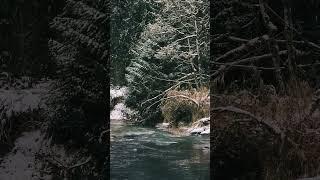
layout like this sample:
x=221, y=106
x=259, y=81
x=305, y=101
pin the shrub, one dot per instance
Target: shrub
x=185, y=106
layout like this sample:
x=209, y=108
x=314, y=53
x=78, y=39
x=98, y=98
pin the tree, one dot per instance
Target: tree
x=172, y=53
x=79, y=44
x=24, y=27
x=127, y=22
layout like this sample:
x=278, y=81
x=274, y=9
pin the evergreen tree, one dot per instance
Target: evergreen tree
x=79, y=44
x=172, y=53
x=128, y=20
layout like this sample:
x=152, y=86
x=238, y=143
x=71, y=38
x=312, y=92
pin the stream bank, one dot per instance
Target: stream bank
x=155, y=153
x=147, y=153
x=199, y=126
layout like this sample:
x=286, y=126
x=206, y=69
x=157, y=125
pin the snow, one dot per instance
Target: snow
x=206, y=132
x=118, y=92
x=22, y=100
x=202, y=127
x=20, y=163
x=118, y=112
x=162, y=126
x=197, y=130
x=204, y=120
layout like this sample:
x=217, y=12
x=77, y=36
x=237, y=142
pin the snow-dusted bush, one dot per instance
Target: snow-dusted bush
x=172, y=53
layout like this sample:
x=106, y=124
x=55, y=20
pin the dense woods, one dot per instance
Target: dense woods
x=170, y=54
x=79, y=45
x=24, y=31
x=264, y=81
x=64, y=43
x=256, y=63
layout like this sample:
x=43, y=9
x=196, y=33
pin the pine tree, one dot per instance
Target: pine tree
x=128, y=20
x=172, y=53
x=79, y=45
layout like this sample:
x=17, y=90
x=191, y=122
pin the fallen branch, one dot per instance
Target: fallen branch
x=226, y=66
x=270, y=126
x=294, y=29
x=80, y=164
x=61, y=165
x=233, y=109
x=244, y=47
x=304, y=42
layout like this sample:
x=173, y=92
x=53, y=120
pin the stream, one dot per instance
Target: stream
x=139, y=153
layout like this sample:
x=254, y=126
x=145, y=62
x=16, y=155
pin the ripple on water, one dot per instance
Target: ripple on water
x=142, y=153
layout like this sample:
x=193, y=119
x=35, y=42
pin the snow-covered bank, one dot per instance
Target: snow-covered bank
x=23, y=99
x=118, y=92
x=20, y=163
x=119, y=110
x=200, y=127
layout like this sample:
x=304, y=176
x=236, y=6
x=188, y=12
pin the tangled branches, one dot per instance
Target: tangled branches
x=264, y=44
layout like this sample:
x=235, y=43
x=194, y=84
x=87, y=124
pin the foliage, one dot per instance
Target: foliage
x=13, y=122
x=185, y=107
x=262, y=66
x=128, y=20
x=79, y=101
x=23, y=34
x=172, y=53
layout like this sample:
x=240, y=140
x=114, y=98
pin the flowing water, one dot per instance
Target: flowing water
x=139, y=153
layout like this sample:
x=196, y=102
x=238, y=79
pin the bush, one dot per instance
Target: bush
x=185, y=107
x=272, y=136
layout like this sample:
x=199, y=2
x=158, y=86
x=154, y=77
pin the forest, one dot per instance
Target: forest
x=260, y=60
x=54, y=85
x=264, y=89
x=197, y=89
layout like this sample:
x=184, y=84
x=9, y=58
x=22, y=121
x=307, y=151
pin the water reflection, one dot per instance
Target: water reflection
x=147, y=154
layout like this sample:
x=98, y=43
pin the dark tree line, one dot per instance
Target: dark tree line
x=268, y=41
x=128, y=19
x=23, y=35
x=80, y=47
x=264, y=66
x=67, y=40
x=168, y=50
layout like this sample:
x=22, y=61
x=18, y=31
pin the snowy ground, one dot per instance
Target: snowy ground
x=21, y=100
x=20, y=163
x=120, y=111
x=118, y=92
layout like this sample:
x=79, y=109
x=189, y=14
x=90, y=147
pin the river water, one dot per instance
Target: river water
x=139, y=153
